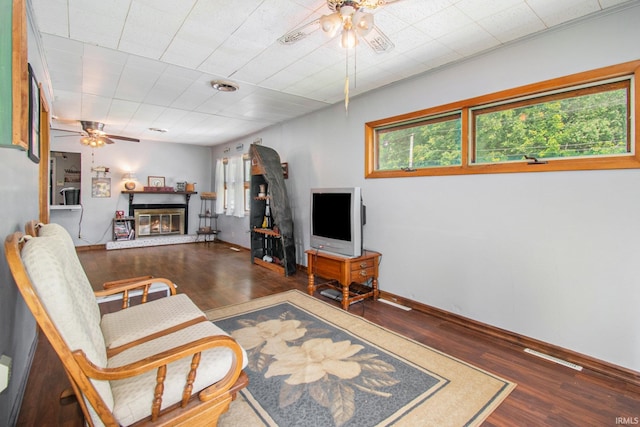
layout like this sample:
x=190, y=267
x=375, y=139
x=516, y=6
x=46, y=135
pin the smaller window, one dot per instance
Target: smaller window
x=429, y=142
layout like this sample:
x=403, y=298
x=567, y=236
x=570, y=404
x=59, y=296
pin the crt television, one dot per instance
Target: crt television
x=337, y=217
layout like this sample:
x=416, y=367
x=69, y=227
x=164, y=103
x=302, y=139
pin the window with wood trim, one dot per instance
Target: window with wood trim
x=230, y=183
x=579, y=122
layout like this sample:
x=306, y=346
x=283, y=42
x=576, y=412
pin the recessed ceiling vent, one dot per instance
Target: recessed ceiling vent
x=223, y=86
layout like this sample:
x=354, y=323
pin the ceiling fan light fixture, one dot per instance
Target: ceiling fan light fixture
x=223, y=86
x=363, y=22
x=331, y=24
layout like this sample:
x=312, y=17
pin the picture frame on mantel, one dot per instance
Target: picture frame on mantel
x=34, y=117
x=155, y=181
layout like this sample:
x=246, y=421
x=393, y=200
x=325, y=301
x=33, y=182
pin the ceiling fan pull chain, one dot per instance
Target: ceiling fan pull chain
x=346, y=84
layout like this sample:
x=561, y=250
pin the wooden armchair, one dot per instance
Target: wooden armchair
x=186, y=374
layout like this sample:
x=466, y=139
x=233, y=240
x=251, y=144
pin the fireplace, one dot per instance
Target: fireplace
x=159, y=221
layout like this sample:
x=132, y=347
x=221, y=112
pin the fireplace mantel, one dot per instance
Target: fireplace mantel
x=186, y=194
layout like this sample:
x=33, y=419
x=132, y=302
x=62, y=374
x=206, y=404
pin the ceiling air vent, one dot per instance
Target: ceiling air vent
x=222, y=86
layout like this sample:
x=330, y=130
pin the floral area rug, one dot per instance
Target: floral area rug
x=313, y=364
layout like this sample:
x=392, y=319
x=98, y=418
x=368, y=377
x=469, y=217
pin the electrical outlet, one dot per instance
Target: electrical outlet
x=5, y=372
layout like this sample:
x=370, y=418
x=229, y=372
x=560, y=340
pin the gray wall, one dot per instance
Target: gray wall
x=19, y=190
x=551, y=256
x=175, y=162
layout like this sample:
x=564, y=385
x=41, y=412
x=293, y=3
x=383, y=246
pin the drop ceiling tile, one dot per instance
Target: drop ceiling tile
x=414, y=11
x=443, y=22
x=121, y=111
x=195, y=95
x=469, y=40
x=138, y=78
x=94, y=107
x=98, y=23
x=101, y=70
x=51, y=16
x=512, y=23
x=230, y=56
x=167, y=88
x=151, y=26
x=609, y=3
x=187, y=52
x=433, y=54
x=553, y=13
x=270, y=20
x=66, y=104
x=477, y=10
x=62, y=44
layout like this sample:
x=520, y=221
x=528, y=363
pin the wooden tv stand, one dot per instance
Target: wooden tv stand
x=342, y=272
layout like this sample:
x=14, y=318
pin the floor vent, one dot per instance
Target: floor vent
x=554, y=359
x=402, y=307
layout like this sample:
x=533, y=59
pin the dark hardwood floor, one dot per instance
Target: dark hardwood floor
x=215, y=275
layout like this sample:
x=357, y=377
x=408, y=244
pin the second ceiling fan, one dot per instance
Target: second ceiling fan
x=97, y=137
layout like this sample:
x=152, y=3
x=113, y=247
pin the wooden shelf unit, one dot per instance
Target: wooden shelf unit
x=273, y=246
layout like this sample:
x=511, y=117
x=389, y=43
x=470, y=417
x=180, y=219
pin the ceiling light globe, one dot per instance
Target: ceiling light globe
x=331, y=24
x=363, y=22
x=349, y=39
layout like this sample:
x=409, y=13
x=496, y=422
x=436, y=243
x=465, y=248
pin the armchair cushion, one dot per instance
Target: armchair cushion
x=73, y=314
x=139, y=321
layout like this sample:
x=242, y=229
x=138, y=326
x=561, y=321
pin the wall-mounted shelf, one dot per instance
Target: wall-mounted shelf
x=65, y=207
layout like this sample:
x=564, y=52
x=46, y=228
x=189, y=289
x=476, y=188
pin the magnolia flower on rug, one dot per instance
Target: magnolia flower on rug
x=312, y=364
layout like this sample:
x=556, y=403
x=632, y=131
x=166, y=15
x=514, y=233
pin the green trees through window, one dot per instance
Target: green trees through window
x=432, y=142
x=579, y=122
x=575, y=125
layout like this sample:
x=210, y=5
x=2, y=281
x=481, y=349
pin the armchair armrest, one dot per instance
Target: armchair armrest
x=190, y=353
x=126, y=286
x=114, y=283
x=158, y=360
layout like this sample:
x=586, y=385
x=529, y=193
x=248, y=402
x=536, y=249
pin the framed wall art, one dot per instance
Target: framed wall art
x=156, y=181
x=100, y=187
x=34, y=118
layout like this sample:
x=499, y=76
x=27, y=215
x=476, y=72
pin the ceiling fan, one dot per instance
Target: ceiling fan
x=350, y=17
x=95, y=136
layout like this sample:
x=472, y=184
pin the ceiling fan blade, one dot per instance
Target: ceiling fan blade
x=124, y=138
x=105, y=140
x=378, y=41
x=77, y=132
x=299, y=33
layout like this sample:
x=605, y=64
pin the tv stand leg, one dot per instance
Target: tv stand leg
x=311, y=287
x=345, y=297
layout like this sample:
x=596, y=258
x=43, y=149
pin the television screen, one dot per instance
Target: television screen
x=332, y=215
x=337, y=220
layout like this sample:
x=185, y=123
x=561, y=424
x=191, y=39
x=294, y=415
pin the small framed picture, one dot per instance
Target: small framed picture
x=101, y=187
x=156, y=181
x=34, y=118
